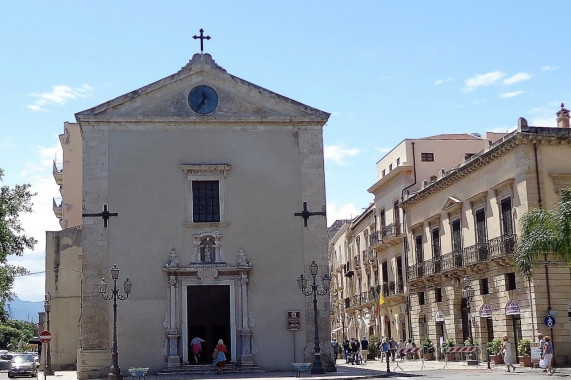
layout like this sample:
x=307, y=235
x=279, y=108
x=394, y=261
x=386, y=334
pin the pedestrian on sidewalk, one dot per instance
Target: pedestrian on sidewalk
x=508, y=353
x=364, y=348
x=548, y=355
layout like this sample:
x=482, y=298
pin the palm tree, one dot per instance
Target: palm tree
x=544, y=232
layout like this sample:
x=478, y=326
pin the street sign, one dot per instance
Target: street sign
x=549, y=321
x=45, y=336
x=293, y=320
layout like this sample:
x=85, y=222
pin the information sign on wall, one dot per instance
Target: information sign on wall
x=512, y=308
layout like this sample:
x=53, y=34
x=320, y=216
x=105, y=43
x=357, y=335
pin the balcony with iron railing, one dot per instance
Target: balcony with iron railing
x=387, y=236
x=363, y=299
x=501, y=246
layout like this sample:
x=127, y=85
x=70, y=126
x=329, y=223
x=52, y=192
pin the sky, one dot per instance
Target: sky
x=384, y=70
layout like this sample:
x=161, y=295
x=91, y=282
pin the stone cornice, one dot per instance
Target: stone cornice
x=389, y=178
x=524, y=136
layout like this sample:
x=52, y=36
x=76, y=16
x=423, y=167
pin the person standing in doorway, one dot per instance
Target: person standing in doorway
x=219, y=356
x=196, y=345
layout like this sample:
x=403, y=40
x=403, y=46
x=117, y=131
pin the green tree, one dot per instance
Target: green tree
x=544, y=232
x=13, y=241
x=17, y=334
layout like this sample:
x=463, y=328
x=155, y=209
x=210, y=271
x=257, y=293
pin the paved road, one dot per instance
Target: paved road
x=370, y=370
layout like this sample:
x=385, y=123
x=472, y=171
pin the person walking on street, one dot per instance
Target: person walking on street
x=541, y=347
x=346, y=350
x=335, y=347
x=393, y=347
x=508, y=353
x=548, y=355
x=364, y=348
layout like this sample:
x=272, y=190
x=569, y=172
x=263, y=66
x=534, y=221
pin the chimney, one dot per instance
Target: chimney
x=563, y=117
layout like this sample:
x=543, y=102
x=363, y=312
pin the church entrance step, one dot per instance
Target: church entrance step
x=206, y=369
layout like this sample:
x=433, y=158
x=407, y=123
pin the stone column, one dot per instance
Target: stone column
x=173, y=359
x=244, y=333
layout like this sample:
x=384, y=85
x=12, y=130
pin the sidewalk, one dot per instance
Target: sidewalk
x=371, y=369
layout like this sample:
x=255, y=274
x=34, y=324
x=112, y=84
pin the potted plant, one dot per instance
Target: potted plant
x=494, y=348
x=373, y=347
x=445, y=345
x=524, y=350
x=428, y=349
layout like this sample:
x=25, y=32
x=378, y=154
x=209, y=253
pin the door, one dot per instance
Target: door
x=209, y=318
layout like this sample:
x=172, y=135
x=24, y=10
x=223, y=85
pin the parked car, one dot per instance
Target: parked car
x=5, y=359
x=23, y=365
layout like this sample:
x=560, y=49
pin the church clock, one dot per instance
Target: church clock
x=203, y=99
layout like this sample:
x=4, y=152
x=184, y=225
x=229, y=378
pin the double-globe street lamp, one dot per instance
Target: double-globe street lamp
x=48, y=307
x=114, y=295
x=317, y=366
x=468, y=293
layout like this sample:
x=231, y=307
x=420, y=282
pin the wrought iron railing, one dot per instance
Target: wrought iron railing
x=481, y=252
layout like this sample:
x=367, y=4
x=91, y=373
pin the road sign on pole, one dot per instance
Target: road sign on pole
x=45, y=336
x=549, y=321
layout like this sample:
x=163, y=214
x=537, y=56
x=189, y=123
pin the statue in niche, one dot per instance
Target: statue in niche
x=242, y=261
x=207, y=253
x=173, y=260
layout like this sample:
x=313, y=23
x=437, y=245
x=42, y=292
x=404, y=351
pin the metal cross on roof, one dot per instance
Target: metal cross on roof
x=202, y=37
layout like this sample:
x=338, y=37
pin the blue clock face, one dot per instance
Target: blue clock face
x=203, y=99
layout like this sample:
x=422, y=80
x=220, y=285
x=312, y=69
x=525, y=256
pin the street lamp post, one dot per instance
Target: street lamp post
x=47, y=307
x=468, y=293
x=114, y=295
x=317, y=367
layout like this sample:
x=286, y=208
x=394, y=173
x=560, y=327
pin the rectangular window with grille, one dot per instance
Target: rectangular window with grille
x=205, y=201
x=427, y=157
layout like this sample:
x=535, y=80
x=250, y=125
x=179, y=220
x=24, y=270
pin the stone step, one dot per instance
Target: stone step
x=205, y=369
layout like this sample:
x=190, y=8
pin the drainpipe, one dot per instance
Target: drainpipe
x=405, y=244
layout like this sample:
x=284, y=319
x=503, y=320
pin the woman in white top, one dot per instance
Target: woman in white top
x=508, y=353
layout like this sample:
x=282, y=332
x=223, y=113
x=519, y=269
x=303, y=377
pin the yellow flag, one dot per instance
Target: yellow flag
x=381, y=299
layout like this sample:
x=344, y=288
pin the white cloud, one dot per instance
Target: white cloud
x=59, y=95
x=549, y=68
x=347, y=211
x=483, y=80
x=442, y=81
x=338, y=153
x=511, y=94
x=516, y=78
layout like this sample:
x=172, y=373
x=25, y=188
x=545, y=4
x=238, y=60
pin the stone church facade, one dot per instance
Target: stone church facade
x=201, y=174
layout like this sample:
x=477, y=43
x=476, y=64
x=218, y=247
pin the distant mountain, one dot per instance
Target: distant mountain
x=24, y=310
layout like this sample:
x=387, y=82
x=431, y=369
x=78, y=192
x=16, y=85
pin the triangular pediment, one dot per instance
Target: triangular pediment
x=451, y=204
x=238, y=100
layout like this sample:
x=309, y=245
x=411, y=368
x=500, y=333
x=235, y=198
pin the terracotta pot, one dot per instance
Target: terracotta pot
x=525, y=361
x=497, y=359
x=428, y=356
